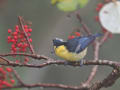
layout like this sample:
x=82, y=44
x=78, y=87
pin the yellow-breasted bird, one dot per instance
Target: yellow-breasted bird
x=74, y=49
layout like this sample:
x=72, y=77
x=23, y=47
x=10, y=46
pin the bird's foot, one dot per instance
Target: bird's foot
x=68, y=63
x=81, y=62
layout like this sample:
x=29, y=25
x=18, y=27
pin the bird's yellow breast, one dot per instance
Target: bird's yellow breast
x=62, y=52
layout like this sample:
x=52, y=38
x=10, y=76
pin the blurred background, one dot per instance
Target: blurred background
x=47, y=23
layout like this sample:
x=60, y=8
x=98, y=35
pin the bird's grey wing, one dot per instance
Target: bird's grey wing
x=78, y=48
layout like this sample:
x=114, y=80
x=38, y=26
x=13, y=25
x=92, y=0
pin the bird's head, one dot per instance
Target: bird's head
x=57, y=42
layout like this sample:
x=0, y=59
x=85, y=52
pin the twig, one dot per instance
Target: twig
x=35, y=56
x=26, y=36
x=84, y=26
x=104, y=38
x=45, y=85
x=96, y=57
x=61, y=62
x=18, y=77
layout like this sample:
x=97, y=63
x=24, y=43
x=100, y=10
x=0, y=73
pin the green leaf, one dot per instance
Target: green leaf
x=53, y=2
x=68, y=5
x=82, y=3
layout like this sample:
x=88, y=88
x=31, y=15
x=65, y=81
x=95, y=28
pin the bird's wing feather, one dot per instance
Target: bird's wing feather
x=77, y=48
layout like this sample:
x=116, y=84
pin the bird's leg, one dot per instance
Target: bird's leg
x=80, y=62
x=68, y=63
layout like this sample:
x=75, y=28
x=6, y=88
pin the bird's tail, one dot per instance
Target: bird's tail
x=97, y=35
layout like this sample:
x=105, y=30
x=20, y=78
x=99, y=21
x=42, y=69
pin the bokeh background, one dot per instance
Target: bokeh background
x=47, y=23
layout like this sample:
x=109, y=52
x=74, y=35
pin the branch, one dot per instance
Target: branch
x=109, y=81
x=96, y=47
x=61, y=62
x=34, y=56
x=84, y=26
x=26, y=36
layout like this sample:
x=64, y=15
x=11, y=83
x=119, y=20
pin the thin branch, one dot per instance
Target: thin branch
x=3, y=60
x=34, y=56
x=96, y=47
x=84, y=26
x=45, y=85
x=104, y=38
x=26, y=36
x=61, y=62
x=18, y=77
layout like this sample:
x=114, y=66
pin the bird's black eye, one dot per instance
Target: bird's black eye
x=57, y=42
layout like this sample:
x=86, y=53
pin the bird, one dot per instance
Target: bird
x=73, y=49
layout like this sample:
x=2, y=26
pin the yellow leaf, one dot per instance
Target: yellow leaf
x=54, y=2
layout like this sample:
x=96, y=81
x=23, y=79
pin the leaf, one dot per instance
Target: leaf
x=82, y=3
x=67, y=5
x=53, y=2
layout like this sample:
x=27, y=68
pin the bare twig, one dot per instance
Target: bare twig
x=26, y=36
x=84, y=26
x=34, y=56
x=96, y=57
x=18, y=77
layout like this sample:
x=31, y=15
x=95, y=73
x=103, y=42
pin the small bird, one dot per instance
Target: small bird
x=73, y=49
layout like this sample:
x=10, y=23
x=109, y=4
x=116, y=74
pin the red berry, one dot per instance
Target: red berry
x=25, y=45
x=9, y=69
x=15, y=33
x=19, y=44
x=17, y=30
x=77, y=33
x=104, y=30
x=23, y=40
x=25, y=26
x=26, y=59
x=6, y=83
x=17, y=61
x=30, y=40
x=13, y=46
x=26, y=30
x=15, y=37
x=29, y=30
x=97, y=18
x=16, y=27
x=97, y=9
x=9, y=37
x=24, y=50
x=71, y=37
x=1, y=69
x=100, y=5
x=9, y=30
x=14, y=49
x=21, y=36
x=13, y=40
x=12, y=81
x=28, y=34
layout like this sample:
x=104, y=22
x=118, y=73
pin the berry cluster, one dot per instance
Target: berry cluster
x=6, y=79
x=18, y=40
x=98, y=8
x=73, y=36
